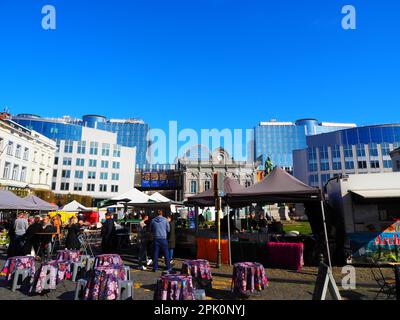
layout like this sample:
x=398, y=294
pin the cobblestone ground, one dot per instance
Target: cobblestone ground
x=283, y=284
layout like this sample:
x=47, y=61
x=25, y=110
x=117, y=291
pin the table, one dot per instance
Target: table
x=50, y=274
x=174, y=287
x=247, y=277
x=68, y=255
x=199, y=270
x=108, y=260
x=17, y=263
x=102, y=283
x=285, y=255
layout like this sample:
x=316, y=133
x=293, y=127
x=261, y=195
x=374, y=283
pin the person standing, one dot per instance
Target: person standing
x=19, y=229
x=159, y=227
x=143, y=237
x=107, y=234
x=32, y=240
x=171, y=237
x=72, y=241
x=263, y=224
x=47, y=240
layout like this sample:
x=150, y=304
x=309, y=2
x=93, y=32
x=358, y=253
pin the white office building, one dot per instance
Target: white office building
x=26, y=157
x=94, y=166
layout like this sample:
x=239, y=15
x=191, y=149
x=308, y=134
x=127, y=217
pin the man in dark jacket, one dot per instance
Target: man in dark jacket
x=159, y=227
x=107, y=234
x=171, y=236
x=31, y=237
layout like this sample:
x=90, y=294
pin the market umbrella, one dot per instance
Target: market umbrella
x=41, y=204
x=10, y=201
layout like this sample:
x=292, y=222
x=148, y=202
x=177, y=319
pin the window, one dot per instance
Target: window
x=324, y=166
x=312, y=167
x=387, y=163
x=114, y=188
x=18, y=151
x=79, y=174
x=336, y=152
x=360, y=150
x=66, y=173
x=105, y=150
x=15, y=172
x=53, y=186
x=115, y=176
x=362, y=164
x=92, y=163
x=91, y=175
x=77, y=186
x=323, y=152
x=337, y=165
x=104, y=164
x=64, y=186
x=348, y=151
x=34, y=156
x=67, y=161
x=313, y=180
x=26, y=154
x=193, y=186
x=373, y=149
x=103, y=188
x=374, y=164
x=80, y=162
x=23, y=174
x=116, y=165
x=349, y=165
x=325, y=178
x=54, y=173
x=94, y=146
x=207, y=185
x=385, y=149
x=103, y=175
x=117, y=151
x=68, y=147
x=10, y=148
x=81, y=147
x=56, y=160
x=90, y=187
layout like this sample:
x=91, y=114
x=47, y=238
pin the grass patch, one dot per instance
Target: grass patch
x=301, y=226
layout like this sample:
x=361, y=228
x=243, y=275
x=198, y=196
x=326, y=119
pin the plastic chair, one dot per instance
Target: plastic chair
x=125, y=290
x=80, y=287
x=24, y=274
x=127, y=271
x=76, y=268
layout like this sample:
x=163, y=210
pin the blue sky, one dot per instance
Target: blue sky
x=206, y=64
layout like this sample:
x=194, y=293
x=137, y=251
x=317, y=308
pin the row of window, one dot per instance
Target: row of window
x=349, y=165
x=207, y=185
x=90, y=175
x=78, y=186
x=93, y=148
x=19, y=152
x=14, y=173
x=80, y=162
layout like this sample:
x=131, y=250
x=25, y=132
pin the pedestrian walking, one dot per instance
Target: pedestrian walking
x=159, y=228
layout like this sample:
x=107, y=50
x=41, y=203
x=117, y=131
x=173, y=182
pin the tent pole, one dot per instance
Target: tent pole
x=326, y=234
x=229, y=235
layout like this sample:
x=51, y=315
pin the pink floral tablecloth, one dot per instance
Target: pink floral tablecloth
x=17, y=263
x=199, y=270
x=68, y=255
x=102, y=283
x=174, y=287
x=248, y=277
x=50, y=274
x=285, y=255
x=108, y=260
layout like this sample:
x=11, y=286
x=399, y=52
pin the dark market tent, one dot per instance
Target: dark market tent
x=278, y=187
x=207, y=199
x=10, y=201
x=41, y=204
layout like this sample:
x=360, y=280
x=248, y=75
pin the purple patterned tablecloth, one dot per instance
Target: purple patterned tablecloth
x=56, y=271
x=199, y=270
x=174, y=287
x=68, y=255
x=108, y=260
x=248, y=276
x=17, y=263
x=102, y=283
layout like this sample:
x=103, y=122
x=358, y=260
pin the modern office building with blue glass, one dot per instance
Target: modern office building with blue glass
x=130, y=132
x=351, y=151
x=278, y=140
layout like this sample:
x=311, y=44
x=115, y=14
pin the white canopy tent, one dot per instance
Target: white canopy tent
x=133, y=195
x=74, y=206
x=158, y=197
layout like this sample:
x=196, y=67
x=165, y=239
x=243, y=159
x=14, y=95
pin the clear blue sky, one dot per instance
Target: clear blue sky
x=204, y=63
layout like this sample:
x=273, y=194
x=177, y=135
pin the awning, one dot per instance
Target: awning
x=376, y=194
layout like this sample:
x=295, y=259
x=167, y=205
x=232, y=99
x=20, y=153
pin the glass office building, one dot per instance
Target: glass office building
x=352, y=151
x=130, y=132
x=278, y=140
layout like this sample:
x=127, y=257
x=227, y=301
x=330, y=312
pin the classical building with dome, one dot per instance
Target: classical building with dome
x=198, y=164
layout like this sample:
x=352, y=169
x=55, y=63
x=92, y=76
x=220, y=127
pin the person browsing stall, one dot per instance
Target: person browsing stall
x=107, y=233
x=160, y=227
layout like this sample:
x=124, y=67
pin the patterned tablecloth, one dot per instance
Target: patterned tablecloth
x=199, y=270
x=285, y=255
x=16, y=263
x=108, y=260
x=50, y=274
x=68, y=255
x=102, y=283
x=174, y=287
x=247, y=277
